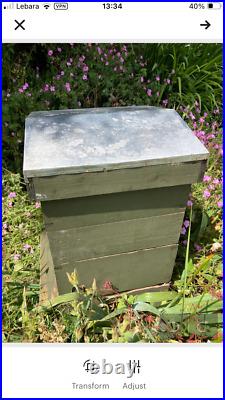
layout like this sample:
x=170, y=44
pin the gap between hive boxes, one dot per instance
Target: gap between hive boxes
x=48, y=283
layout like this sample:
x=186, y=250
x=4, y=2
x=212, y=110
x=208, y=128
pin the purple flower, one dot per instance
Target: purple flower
x=50, y=53
x=59, y=49
x=192, y=117
x=99, y=50
x=52, y=88
x=201, y=120
x=16, y=257
x=149, y=92
x=206, y=194
x=106, y=63
x=186, y=223
x=62, y=73
x=220, y=204
x=207, y=178
x=81, y=58
x=189, y=203
x=197, y=247
x=68, y=64
x=10, y=204
x=12, y=195
x=183, y=230
x=85, y=78
x=168, y=81
x=165, y=102
x=37, y=204
x=157, y=78
x=142, y=79
x=20, y=90
x=216, y=181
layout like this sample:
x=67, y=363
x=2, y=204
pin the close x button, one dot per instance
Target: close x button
x=19, y=24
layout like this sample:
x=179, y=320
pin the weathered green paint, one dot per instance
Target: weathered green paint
x=125, y=271
x=116, y=237
x=48, y=284
x=94, y=210
x=95, y=183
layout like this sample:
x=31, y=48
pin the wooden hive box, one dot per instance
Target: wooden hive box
x=113, y=183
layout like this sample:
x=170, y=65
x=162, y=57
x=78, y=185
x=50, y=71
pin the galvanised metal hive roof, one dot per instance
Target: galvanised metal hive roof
x=97, y=139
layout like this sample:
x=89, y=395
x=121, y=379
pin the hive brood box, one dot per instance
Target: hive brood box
x=113, y=183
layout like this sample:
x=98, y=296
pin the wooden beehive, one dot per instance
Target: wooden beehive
x=113, y=183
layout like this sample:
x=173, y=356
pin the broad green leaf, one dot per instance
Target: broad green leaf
x=146, y=307
x=155, y=297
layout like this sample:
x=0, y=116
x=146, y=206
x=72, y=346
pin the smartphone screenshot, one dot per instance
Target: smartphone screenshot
x=112, y=199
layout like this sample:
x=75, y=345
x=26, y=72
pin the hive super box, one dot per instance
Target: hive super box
x=113, y=183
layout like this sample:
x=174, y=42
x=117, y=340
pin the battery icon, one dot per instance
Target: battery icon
x=214, y=6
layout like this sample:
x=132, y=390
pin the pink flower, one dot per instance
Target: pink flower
x=157, y=78
x=81, y=59
x=85, y=78
x=27, y=246
x=37, y=204
x=59, y=49
x=50, y=53
x=142, y=79
x=168, y=81
x=25, y=86
x=207, y=178
x=220, y=204
x=20, y=90
x=85, y=68
x=99, y=50
x=206, y=194
x=68, y=64
x=52, y=88
x=201, y=120
x=62, y=73
x=165, y=102
x=189, y=203
x=149, y=92
x=5, y=226
x=12, y=195
x=216, y=181
x=46, y=87
x=106, y=63
x=10, y=204
x=16, y=257
x=67, y=86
